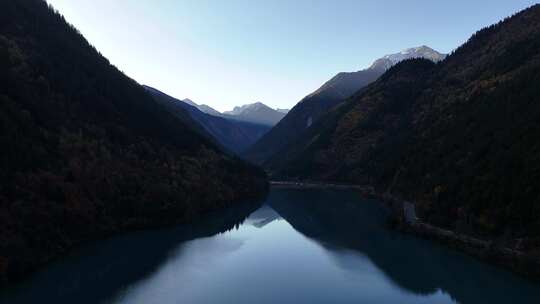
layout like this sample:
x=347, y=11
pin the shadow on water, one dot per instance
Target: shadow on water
x=342, y=221
x=95, y=273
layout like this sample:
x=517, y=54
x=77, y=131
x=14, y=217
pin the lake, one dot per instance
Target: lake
x=298, y=246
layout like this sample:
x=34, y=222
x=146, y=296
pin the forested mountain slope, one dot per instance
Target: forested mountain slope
x=330, y=94
x=460, y=138
x=86, y=151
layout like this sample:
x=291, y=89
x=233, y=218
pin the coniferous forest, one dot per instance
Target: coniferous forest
x=459, y=138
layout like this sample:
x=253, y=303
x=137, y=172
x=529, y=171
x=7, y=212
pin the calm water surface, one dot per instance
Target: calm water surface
x=300, y=246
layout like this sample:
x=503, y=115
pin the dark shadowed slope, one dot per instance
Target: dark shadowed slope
x=334, y=91
x=233, y=135
x=304, y=158
x=460, y=138
x=86, y=151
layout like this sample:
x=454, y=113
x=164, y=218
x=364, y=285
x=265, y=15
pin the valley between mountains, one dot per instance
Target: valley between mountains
x=88, y=152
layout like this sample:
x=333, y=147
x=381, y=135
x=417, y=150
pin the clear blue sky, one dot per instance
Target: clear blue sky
x=231, y=52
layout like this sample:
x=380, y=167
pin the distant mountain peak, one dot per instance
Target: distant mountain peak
x=423, y=51
x=208, y=110
x=190, y=102
x=257, y=105
x=256, y=112
x=346, y=83
x=238, y=110
x=203, y=108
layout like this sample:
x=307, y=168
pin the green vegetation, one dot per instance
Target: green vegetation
x=459, y=138
x=86, y=152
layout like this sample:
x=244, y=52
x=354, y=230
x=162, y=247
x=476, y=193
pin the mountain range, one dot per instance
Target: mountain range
x=330, y=94
x=243, y=130
x=257, y=113
x=88, y=152
x=232, y=134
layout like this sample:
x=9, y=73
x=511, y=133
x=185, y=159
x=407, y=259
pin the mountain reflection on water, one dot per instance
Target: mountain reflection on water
x=300, y=246
x=417, y=266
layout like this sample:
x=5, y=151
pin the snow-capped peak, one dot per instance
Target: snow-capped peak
x=423, y=51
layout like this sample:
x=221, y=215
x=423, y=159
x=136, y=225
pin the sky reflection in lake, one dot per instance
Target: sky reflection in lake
x=300, y=246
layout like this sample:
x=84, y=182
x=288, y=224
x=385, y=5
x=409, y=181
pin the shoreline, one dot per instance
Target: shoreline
x=365, y=190
x=151, y=224
x=487, y=251
x=403, y=218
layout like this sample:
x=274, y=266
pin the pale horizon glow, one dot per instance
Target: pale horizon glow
x=230, y=53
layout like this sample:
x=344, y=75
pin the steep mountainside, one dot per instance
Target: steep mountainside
x=334, y=91
x=87, y=152
x=459, y=138
x=255, y=113
x=233, y=135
